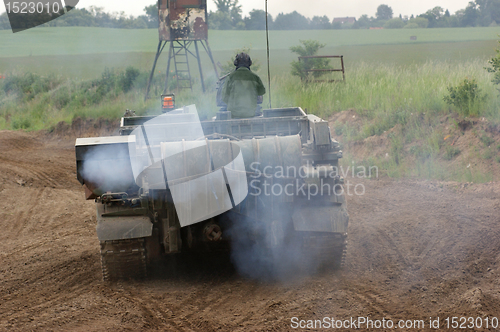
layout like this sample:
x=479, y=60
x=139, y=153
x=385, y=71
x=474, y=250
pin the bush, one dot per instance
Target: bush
x=21, y=122
x=422, y=22
x=466, y=96
x=99, y=88
x=495, y=67
x=395, y=23
x=60, y=97
x=308, y=48
x=27, y=86
x=411, y=26
x=127, y=80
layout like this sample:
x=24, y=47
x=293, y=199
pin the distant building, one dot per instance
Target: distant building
x=343, y=20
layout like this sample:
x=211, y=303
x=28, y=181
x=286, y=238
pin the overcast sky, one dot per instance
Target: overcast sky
x=330, y=8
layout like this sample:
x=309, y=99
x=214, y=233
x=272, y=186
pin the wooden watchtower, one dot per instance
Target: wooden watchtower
x=182, y=24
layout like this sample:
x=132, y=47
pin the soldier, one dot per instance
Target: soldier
x=242, y=88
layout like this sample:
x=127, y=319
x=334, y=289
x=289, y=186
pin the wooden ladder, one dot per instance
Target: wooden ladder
x=181, y=63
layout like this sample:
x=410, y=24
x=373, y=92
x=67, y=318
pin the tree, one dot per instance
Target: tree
x=337, y=25
x=103, y=19
x=362, y=23
x=494, y=10
x=434, y=16
x=489, y=11
x=291, y=21
x=308, y=48
x=257, y=20
x=231, y=7
x=141, y=22
x=235, y=13
x=219, y=21
x=79, y=17
x=470, y=16
x=453, y=21
x=224, y=5
x=320, y=22
x=227, y=16
x=384, y=12
x=152, y=15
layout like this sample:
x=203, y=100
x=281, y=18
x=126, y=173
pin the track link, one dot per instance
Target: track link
x=329, y=249
x=123, y=259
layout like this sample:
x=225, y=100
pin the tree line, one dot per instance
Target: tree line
x=97, y=17
x=228, y=16
x=477, y=13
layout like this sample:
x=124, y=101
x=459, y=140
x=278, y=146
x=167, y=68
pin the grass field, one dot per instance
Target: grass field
x=79, y=40
x=85, y=52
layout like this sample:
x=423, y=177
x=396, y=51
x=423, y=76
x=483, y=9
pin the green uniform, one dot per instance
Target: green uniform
x=240, y=93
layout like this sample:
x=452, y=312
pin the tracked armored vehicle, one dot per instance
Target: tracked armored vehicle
x=171, y=183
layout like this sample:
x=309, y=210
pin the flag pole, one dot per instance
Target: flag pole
x=268, y=67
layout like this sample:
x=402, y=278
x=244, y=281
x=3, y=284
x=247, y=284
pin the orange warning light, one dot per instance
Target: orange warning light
x=168, y=102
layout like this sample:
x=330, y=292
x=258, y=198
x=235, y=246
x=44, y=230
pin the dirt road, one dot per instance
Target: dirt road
x=416, y=250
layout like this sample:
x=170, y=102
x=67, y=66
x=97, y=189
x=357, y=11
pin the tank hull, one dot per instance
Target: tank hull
x=261, y=179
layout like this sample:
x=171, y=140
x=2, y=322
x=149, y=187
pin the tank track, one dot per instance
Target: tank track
x=329, y=249
x=123, y=259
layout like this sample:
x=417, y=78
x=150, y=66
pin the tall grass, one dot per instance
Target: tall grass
x=32, y=102
x=382, y=91
x=385, y=94
x=407, y=100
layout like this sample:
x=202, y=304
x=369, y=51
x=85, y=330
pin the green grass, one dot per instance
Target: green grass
x=79, y=52
x=81, y=40
x=387, y=94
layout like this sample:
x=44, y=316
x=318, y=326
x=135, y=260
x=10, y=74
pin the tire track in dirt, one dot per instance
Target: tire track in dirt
x=154, y=311
x=40, y=211
x=26, y=222
x=67, y=274
x=17, y=140
x=29, y=175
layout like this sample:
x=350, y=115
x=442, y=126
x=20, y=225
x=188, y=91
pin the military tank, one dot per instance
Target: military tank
x=172, y=183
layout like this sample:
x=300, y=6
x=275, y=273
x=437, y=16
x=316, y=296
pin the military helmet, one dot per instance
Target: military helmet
x=242, y=60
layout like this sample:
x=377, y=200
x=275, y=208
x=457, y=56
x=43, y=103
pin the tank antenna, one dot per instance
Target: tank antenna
x=268, y=68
